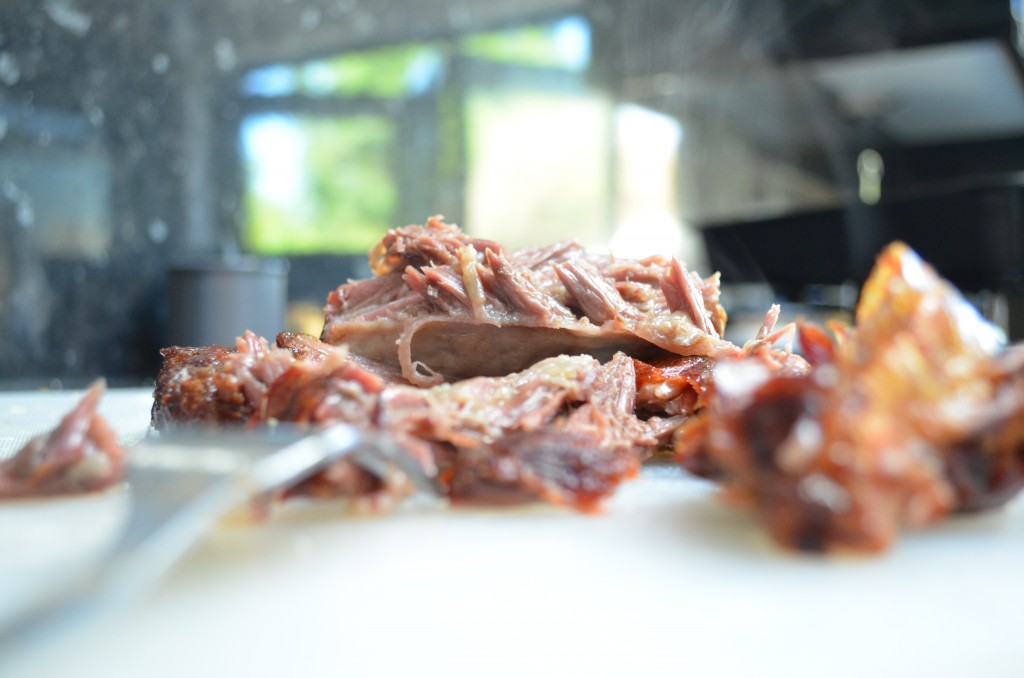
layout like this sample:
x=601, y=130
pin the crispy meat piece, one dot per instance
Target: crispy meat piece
x=673, y=386
x=913, y=415
x=81, y=455
x=215, y=384
x=188, y=388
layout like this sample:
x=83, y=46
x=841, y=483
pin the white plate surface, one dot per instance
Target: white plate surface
x=666, y=582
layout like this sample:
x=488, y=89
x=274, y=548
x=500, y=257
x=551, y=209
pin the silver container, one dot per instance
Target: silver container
x=213, y=301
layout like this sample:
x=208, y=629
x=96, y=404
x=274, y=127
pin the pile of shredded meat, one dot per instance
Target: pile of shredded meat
x=551, y=374
x=512, y=376
x=564, y=430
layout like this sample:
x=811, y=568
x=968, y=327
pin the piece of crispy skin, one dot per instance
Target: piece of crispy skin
x=913, y=415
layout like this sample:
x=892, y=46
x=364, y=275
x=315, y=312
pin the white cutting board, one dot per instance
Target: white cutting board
x=666, y=582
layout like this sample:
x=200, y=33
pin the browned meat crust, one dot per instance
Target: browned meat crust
x=673, y=386
x=80, y=455
x=671, y=390
x=910, y=416
x=191, y=387
x=304, y=346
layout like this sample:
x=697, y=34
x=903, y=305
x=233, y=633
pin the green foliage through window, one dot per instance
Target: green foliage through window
x=330, y=184
x=528, y=46
x=347, y=195
x=390, y=72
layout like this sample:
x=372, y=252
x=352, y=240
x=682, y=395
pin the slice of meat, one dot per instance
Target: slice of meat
x=913, y=415
x=81, y=455
x=440, y=296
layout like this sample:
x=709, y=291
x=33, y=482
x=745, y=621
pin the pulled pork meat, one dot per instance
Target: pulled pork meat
x=561, y=431
x=671, y=390
x=911, y=415
x=81, y=455
x=216, y=384
x=221, y=385
x=550, y=374
x=299, y=380
x=542, y=374
x=438, y=296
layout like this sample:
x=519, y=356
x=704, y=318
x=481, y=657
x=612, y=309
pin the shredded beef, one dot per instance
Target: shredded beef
x=564, y=368
x=562, y=431
x=550, y=374
x=439, y=298
x=217, y=385
x=301, y=380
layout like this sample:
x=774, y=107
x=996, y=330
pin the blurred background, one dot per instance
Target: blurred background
x=166, y=164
